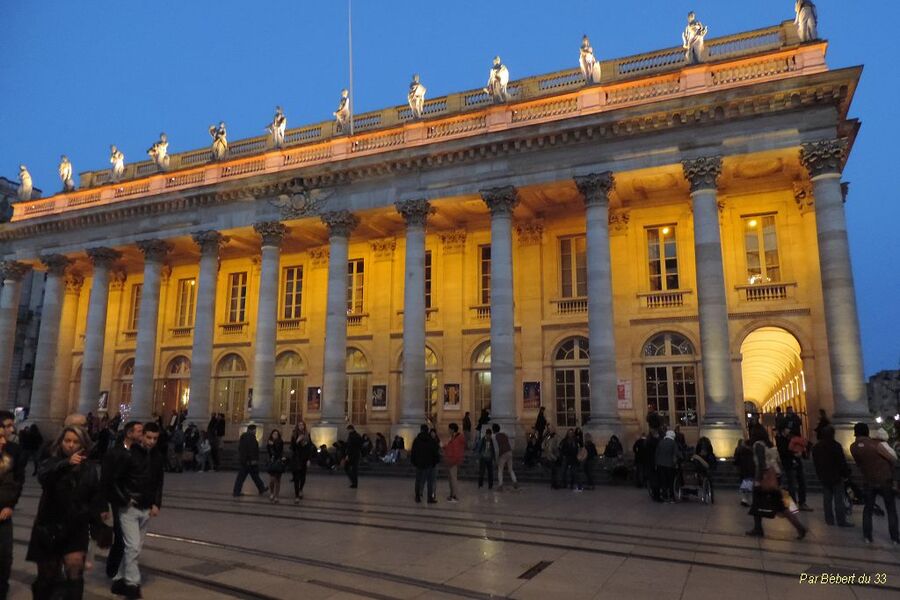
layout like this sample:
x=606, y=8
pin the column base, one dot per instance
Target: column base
x=724, y=433
x=843, y=428
x=408, y=431
x=603, y=428
x=324, y=433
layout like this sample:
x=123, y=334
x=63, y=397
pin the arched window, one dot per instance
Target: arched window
x=670, y=378
x=124, y=387
x=481, y=378
x=173, y=391
x=571, y=380
x=432, y=398
x=289, y=371
x=231, y=387
x=357, y=387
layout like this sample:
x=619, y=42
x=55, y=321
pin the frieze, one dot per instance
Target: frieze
x=824, y=157
x=595, y=187
x=271, y=232
x=11, y=270
x=703, y=172
x=501, y=200
x=803, y=196
x=383, y=249
x=318, y=256
x=530, y=233
x=618, y=221
x=454, y=241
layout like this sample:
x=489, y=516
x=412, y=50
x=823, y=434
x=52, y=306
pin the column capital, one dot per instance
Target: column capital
x=383, y=249
x=618, y=221
x=117, y=279
x=703, y=172
x=341, y=223
x=500, y=200
x=318, y=256
x=209, y=241
x=103, y=257
x=595, y=187
x=11, y=270
x=415, y=212
x=824, y=157
x=56, y=263
x=154, y=250
x=74, y=281
x=530, y=233
x=271, y=232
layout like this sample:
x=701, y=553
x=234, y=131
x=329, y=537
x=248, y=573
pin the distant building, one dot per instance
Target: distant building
x=884, y=393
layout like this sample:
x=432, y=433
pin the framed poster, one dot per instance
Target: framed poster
x=531, y=392
x=103, y=402
x=379, y=397
x=313, y=399
x=623, y=393
x=451, y=396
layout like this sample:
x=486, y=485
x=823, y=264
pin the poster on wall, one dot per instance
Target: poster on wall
x=313, y=399
x=103, y=402
x=623, y=394
x=379, y=397
x=531, y=392
x=451, y=396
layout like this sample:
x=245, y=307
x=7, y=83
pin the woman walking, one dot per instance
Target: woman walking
x=768, y=497
x=72, y=504
x=275, y=450
x=302, y=451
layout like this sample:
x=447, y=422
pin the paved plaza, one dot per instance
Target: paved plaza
x=375, y=542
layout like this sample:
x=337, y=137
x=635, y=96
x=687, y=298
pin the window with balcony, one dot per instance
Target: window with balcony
x=662, y=257
x=291, y=294
x=355, y=281
x=761, y=247
x=484, y=274
x=187, y=290
x=237, y=297
x=573, y=267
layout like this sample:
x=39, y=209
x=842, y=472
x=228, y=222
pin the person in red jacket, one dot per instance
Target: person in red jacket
x=454, y=454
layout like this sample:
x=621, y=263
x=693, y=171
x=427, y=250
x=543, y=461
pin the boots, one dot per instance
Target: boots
x=42, y=589
x=73, y=589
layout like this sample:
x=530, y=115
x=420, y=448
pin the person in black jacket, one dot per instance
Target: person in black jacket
x=424, y=456
x=131, y=434
x=12, y=477
x=72, y=503
x=351, y=458
x=136, y=491
x=302, y=451
x=831, y=467
x=248, y=457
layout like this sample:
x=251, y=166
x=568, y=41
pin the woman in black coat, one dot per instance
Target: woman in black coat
x=72, y=503
x=302, y=451
x=275, y=451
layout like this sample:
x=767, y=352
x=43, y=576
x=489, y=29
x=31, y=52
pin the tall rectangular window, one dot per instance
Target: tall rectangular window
x=761, y=246
x=428, y=279
x=573, y=267
x=355, y=280
x=292, y=289
x=187, y=289
x=662, y=257
x=134, y=311
x=484, y=274
x=237, y=297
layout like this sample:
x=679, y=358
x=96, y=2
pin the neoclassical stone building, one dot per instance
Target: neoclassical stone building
x=673, y=235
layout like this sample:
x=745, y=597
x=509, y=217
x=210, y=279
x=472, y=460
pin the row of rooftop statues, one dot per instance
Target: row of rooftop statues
x=693, y=41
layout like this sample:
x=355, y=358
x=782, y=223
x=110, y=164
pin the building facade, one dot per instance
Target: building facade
x=673, y=236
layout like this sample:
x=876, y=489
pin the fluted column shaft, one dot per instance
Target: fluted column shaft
x=718, y=386
x=145, y=351
x=204, y=325
x=271, y=233
x=11, y=274
x=501, y=202
x=95, y=335
x=824, y=161
x=595, y=190
x=62, y=375
x=334, y=388
x=48, y=337
x=415, y=212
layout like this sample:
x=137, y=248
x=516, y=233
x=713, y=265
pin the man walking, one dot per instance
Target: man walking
x=454, y=455
x=351, y=459
x=132, y=434
x=137, y=484
x=877, y=466
x=831, y=467
x=424, y=456
x=248, y=457
x=504, y=451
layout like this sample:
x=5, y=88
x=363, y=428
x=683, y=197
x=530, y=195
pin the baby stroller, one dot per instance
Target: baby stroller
x=692, y=479
x=853, y=495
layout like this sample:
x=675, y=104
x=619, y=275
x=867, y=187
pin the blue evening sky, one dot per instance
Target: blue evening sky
x=78, y=76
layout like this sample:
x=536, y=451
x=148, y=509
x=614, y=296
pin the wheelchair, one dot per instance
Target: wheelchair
x=692, y=479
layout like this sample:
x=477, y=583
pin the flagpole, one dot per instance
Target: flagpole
x=350, y=47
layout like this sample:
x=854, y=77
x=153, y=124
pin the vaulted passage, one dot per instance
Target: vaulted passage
x=772, y=370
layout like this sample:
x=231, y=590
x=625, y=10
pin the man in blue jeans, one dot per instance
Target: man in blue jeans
x=877, y=465
x=248, y=457
x=831, y=467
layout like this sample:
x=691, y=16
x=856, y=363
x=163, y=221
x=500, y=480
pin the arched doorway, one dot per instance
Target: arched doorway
x=772, y=373
x=432, y=385
x=173, y=391
x=289, y=372
x=571, y=382
x=231, y=388
x=481, y=379
x=670, y=379
x=122, y=389
x=357, y=403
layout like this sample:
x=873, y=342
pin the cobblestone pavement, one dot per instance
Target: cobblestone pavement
x=375, y=542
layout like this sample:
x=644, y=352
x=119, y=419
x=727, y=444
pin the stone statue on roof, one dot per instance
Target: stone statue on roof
x=342, y=114
x=117, y=160
x=25, y=186
x=276, y=128
x=65, y=173
x=416, y=97
x=693, y=39
x=498, y=78
x=807, y=20
x=220, y=141
x=159, y=153
x=590, y=66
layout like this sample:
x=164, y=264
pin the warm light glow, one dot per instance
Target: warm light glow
x=879, y=420
x=752, y=223
x=749, y=416
x=897, y=417
x=665, y=231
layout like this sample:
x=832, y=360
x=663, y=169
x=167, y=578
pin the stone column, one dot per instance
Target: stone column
x=595, y=189
x=825, y=160
x=720, y=421
x=48, y=338
x=334, y=389
x=11, y=274
x=204, y=325
x=501, y=202
x=62, y=374
x=271, y=234
x=145, y=353
x=95, y=334
x=415, y=213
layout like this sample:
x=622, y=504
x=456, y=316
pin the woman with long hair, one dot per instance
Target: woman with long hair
x=302, y=451
x=275, y=450
x=72, y=503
